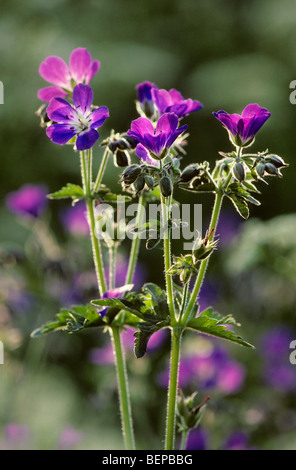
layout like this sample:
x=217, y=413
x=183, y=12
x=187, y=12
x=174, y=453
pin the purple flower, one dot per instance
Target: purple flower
x=115, y=293
x=74, y=219
x=54, y=70
x=29, y=201
x=69, y=438
x=242, y=128
x=155, y=142
x=77, y=120
x=198, y=439
x=173, y=102
x=145, y=97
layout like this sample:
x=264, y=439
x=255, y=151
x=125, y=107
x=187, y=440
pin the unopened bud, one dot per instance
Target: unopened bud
x=260, y=169
x=166, y=186
x=189, y=173
x=271, y=169
x=277, y=161
x=149, y=181
x=139, y=183
x=130, y=174
x=239, y=171
x=131, y=140
x=122, y=158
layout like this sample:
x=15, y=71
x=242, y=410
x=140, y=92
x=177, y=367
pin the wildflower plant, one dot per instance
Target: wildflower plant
x=151, y=153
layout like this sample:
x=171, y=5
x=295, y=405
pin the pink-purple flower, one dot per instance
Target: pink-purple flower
x=173, y=102
x=54, y=70
x=151, y=97
x=154, y=143
x=243, y=127
x=77, y=120
x=28, y=201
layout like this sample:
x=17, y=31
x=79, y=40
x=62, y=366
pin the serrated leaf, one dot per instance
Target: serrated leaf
x=73, y=191
x=119, y=304
x=72, y=320
x=240, y=205
x=142, y=337
x=213, y=327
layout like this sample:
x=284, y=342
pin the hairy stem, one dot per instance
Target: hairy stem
x=125, y=409
x=136, y=242
x=165, y=207
x=173, y=388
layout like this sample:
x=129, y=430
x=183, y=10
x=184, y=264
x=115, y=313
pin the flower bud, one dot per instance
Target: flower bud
x=189, y=173
x=277, y=161
x=131, y=140
x=130, y=174
x=239, y=171
x=139, y=183
x=166, y=186
x=123, y=144
x=112, y=146
x=260, y=169
x=271, y=169
x=122, y=158
x=149, y=181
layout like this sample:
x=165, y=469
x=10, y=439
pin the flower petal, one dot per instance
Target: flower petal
x=82, y=97
x=87, y=139
x=117, y=292
x=140, y=127
x=60, y=133
x=47, y=93
x=59, y=110
x=79, y=64
x=167, y=123
x=144, y=155
x=99, y=116
x=54, y=70
x=94, y=68
x=162, y=99
x=254, y=109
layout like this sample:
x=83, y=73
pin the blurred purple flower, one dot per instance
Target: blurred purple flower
x=69, y=438
x=54, y=70
x=154, y=143
x=29, y=201
x=16, y=437
x=78, y=120
x=243, y=127
x=274, y=347
x=238, y=441
x=121, y=268
x=228, y=227
x=104, y=355
x=74, y=219
x=173, y=102
x=145, y=97
x=198, y=439
x=215, y=370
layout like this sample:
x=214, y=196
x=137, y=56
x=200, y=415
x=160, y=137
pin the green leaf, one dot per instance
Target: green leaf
x=117, y=304
x=146, y=330
x=72, y=320
x=212, y=326
x=240, y=205
x=73, y=191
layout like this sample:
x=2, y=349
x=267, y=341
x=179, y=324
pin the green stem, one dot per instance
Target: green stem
x=96, y=246
x=136, y=242
x=167, y=256
x=125, y=408
x=185, y=435
x=172, y=391
x=127, y=427
x=102, y=169
x=112, y=257
x=204, y=264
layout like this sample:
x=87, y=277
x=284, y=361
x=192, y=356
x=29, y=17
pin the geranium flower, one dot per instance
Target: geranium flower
x=155, y=142
x=243, y=127
x=173, y=102
x=54, y=70
x=77, y=120
x=29, y=201
x=115, y=293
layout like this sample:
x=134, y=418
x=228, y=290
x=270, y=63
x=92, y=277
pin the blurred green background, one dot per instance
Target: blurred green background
x=225, y=53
